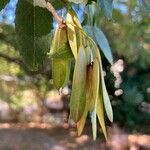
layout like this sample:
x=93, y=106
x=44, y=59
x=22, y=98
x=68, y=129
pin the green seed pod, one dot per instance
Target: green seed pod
x=78, y=95
x=61, y=63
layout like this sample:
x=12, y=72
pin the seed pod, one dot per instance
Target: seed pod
x=71, y=33
x=60, y=72
x=60, y=65
x=106, y=100
x=63, y=52
x=107, y=104
x=81, y=122
x=75, y=19
x=60, y=39
x=95, y=90
x=100, y=113
x=78, y=96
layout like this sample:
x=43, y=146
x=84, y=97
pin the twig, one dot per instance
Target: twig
x=59, y=19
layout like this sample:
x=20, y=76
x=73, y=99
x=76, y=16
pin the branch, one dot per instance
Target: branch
x=59, y=19
x=19, y=62
x=12, y=59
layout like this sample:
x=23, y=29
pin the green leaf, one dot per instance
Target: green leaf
x=33, y=27
x=107, y=7
x=3, y=3
x=78, y=95
x=99, y=37
x=89, y=31
x=103, y=44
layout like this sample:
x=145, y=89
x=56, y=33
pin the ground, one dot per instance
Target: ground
x=44, y=137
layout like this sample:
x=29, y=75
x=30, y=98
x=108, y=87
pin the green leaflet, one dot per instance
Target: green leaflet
x=60, y=66
x=95, y=90
x=71, y=33
x=78, y=96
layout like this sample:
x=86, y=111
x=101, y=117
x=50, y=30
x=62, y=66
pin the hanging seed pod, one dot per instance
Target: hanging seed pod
x=63, y=52
x=60, y=64
x=106, y=99
x=81, y=122
x=100, y=113
x=75, y=19
x=60, y=72
x=78, y=95
x=95, y=90
x=71, y=33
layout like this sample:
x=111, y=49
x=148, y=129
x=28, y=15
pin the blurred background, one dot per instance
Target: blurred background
x=27, y=96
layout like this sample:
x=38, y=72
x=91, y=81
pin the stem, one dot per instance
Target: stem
x=59, y=19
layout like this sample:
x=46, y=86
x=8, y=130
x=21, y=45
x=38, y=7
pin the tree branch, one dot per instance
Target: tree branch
x=59, y=19
x=19, y=62
x=12, y=59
